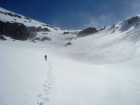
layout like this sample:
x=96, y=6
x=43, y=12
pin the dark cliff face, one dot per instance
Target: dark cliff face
x=14, y=30
x=87, y=31
x=38, y=29
x=133, y=19
x=18, y=31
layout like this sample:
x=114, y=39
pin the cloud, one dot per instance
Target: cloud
x=106, y=14
x=129, y=9
x=136, y=7
x=101, y=21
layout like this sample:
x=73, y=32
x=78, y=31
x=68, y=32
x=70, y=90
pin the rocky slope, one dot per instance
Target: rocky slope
x=19, y=27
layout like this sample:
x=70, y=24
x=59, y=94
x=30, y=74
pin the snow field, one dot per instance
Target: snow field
x=24, y=75
x=101, y=85
x=27, y=79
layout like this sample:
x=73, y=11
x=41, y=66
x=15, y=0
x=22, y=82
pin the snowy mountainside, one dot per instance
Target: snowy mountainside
x=27, y=79
x=20, y=27
x=67, y=77
x=9, y=16
x=117, y=43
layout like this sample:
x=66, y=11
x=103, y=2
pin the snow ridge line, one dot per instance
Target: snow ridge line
x=47, y=87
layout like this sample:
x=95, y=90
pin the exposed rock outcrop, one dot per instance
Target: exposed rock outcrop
x=45, y=38
x=11, y=14
x=66, y=33
x=69, y=43
x=2, y=37
x=133, y=19
x=38, y=29
x=14, y=30
x=87, y=31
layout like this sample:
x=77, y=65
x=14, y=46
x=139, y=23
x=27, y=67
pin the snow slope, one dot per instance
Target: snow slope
x=22, y=19
x=114, y=44
x=27, y=79
x=104, y=47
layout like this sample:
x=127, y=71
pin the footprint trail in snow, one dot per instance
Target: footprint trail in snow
x=47, y=87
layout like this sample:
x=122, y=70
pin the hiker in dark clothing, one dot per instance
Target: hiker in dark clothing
x=45, y=57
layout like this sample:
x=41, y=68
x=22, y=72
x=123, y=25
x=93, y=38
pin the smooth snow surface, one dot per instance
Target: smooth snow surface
x=27, y=79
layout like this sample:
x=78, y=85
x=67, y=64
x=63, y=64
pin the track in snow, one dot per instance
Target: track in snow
x=47, y=87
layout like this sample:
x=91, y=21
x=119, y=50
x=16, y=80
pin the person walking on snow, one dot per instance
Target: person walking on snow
x=45, y=57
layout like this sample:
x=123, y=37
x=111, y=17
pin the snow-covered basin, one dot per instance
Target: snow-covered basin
x=27, y=79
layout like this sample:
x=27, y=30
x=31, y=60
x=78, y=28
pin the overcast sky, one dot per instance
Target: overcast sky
x=75, y=14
